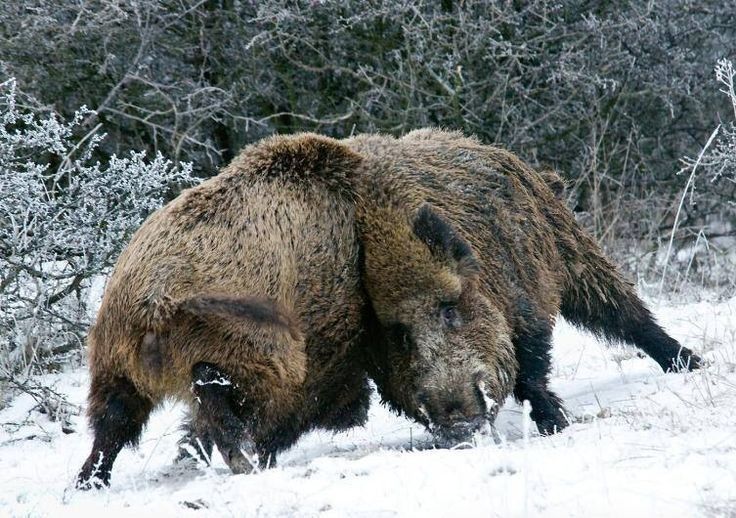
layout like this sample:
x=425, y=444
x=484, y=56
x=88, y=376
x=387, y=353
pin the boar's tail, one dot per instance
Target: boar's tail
x=600, y=300
x=262, y=311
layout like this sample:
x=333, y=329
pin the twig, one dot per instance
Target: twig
x=690, y=181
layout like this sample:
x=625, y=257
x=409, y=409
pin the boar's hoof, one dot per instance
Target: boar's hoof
x=685, y=361
x=238, y=463
x=92, y=480
x=551, y=421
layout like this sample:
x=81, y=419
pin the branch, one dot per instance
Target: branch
x=72, y=286
x=333, y=120
x=682, y=202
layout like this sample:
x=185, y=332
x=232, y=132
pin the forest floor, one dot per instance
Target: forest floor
x=643, y=443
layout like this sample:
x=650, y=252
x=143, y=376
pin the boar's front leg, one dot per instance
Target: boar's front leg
x=215, y=397
x=533, y=347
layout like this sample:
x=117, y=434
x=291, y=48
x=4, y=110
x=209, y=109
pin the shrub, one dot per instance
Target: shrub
x=64, y=219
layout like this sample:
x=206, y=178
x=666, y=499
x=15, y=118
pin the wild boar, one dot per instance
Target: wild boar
x=243, y=298
x=470, y=256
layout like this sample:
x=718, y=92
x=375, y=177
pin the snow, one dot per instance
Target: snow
x=643, y=443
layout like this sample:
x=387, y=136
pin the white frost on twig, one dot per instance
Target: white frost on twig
x=221, y=381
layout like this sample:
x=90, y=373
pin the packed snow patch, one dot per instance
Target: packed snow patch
x=642, y=443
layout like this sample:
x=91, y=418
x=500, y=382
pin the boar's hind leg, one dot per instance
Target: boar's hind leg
x=117, y=414
x=533, y=355
x=609, y=307
x=197, y=440
x=215, y=396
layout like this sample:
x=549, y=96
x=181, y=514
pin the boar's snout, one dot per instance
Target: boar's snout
x=459, y=432
x=455, y=413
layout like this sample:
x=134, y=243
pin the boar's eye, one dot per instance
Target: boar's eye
x=449, y=315
x=400, y=335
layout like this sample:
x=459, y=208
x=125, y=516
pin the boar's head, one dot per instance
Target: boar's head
x=444, y=356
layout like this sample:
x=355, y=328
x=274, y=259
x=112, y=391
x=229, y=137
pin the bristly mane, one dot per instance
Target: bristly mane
x=303, y=159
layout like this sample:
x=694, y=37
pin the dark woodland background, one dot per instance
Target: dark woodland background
x=619, y=97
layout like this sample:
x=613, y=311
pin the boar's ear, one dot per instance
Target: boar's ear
x=443, y=240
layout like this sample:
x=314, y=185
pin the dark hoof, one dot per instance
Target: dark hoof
x=185, y=460
x=684, y=362
x=93, y=475
x=551, y=426
x=85, y=483
x=237, y=462
x=547, y=412
x=550, y=418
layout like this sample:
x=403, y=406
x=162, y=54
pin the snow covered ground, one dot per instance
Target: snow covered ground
x=643, y=444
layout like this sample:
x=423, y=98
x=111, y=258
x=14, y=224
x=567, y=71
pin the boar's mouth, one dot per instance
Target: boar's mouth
x=460, y=433
x=456, y=431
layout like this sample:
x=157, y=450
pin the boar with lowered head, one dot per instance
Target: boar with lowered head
x=470, y=256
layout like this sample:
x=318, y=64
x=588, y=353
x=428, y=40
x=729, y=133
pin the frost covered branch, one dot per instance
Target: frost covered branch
x=64, y=218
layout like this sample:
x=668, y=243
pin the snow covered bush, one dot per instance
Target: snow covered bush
x=704, y=221
x=721, y=161
x=718, y=196
x=64, y=218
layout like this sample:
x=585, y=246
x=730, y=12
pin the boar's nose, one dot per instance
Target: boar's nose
x=447, y=406
x=454, y=409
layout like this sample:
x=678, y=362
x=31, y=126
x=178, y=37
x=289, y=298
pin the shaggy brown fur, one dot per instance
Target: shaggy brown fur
x=242, y=297
x=534, y=263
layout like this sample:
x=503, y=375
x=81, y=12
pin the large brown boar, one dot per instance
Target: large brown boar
x=462, y=242
x=242, y=298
